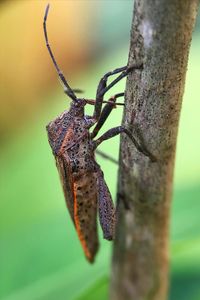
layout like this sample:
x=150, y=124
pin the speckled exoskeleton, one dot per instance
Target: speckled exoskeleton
x=73, y=146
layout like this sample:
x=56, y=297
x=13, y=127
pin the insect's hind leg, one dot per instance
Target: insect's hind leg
x=107, y=214
x=106, y=156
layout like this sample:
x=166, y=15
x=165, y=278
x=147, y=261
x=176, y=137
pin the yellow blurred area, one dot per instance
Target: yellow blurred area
x=26, y=70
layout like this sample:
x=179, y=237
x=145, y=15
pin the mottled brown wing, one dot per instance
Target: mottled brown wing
x=67, y=183
x=85, y=212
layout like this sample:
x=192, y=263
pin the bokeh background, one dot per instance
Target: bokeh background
x=40, y=255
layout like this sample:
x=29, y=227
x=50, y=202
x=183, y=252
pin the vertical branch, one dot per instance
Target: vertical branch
x=160, y=38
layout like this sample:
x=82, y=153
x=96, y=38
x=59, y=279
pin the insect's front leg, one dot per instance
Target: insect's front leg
x=120, y=129
x=101, y=86
x=124, y=72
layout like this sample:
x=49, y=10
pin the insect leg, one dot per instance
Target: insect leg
x=101, y=86
x=120, y=129
x=106, y=156
x=78, y=91
x=106, y=208
x=67, y=88
x=122, y=75
x=105, y=113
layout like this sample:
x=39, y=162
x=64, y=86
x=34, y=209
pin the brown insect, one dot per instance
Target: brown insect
x=73, y=146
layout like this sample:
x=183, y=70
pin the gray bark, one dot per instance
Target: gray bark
x=160, y=37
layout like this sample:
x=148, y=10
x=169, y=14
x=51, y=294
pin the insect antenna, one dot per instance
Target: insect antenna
x=67, y=88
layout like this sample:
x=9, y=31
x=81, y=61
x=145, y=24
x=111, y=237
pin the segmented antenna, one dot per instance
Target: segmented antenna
x=67, y=88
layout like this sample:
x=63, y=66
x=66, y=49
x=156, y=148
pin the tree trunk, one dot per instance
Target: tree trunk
x=160, y=38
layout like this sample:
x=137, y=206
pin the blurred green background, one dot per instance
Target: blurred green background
x=40, y=255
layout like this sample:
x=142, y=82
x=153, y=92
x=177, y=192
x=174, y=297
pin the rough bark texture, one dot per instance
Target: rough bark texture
x=160, y=38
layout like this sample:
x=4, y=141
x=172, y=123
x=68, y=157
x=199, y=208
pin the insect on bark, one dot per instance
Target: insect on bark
x=73, y=145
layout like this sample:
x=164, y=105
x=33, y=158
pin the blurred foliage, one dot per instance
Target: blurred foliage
x=40, y=255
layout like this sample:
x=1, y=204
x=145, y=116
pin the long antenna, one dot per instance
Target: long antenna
x=67, y=88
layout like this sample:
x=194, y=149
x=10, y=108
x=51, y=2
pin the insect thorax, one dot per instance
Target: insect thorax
x=69, y=136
